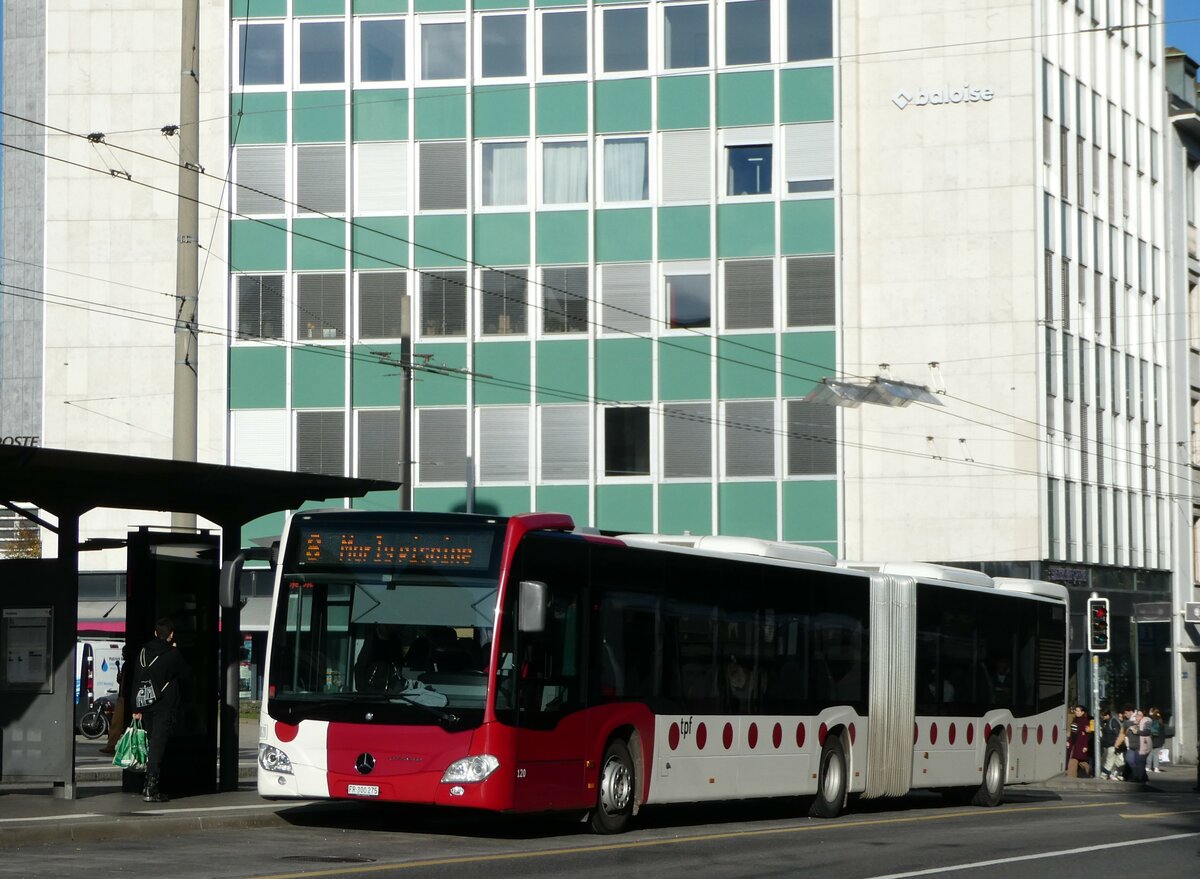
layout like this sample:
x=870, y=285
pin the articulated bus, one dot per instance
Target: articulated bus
x=518, y=665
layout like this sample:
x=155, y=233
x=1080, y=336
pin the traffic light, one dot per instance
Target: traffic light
x=1097, y=614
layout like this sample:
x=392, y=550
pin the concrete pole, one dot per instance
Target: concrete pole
x=186, y=283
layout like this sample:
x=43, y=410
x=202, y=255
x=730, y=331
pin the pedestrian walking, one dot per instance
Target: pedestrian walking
x=1110, y=730
x=156, y=694
x=1158, y=739
x=1079, y=743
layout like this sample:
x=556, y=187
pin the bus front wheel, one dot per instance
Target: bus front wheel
x=614, y=799
x=831, y=780
x=991, y=789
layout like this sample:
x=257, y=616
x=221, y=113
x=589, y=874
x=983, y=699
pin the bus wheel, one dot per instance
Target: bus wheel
x=831, y=780
x=614, y=801
x=991, y=789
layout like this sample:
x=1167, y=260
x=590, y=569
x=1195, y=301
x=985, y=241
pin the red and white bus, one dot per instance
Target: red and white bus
x=516, y=665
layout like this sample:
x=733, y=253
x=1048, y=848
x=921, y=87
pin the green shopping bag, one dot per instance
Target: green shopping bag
x=132, y=748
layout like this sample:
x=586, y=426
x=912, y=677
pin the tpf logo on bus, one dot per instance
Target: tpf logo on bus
x=685, y=727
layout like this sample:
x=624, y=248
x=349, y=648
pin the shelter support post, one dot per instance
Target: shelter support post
x=231, y=656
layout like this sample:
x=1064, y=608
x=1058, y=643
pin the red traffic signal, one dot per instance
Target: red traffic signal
x=1097, y=621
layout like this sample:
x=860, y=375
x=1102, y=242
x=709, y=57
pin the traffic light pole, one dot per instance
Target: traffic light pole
x=1097, y=752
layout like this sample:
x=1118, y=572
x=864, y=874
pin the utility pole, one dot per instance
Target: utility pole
x=183, y=437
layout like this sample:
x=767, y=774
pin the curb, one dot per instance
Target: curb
x=108, y=827
x=112, y=774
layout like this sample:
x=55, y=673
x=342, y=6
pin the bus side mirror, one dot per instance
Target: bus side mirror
x=532, y=611
x=228, y=590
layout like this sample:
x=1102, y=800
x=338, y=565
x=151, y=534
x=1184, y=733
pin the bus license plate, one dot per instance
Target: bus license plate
x=362, y=790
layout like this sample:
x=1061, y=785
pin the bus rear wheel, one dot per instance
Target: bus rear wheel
x=991, y=788
x=831, y=780
x=614, y=797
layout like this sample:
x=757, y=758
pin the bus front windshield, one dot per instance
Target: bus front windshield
x=382, y=646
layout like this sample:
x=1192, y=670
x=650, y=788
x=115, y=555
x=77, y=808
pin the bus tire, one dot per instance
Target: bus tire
x=991, y=788
x=831, y=780
x=615, y=790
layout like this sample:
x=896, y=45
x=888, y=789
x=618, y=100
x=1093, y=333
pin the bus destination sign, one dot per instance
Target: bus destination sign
x=459, y=550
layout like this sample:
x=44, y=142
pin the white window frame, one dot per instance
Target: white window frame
x=297, y=25
x=667, y=139
x=539, y=40
x=235, y=76
x=295, y=202
x=693, y=268
x=418, y=74
x=651, y=151
x=477, y=39
x=776, y=34
x=478, y=429
x=540, y=171
x=741, y=137
x=404, y=206
x=660, y=55
x=295, y=449
x=589, y=428
x=723, y=442
x=598, y=44
x=478, y=295
x=359, y=21
x=418, y=428
x=287, y=311
x=789, y=131
x=719, y=296
x=349, y=290
x=357, y=303
x=285, y=205
x=523, y=205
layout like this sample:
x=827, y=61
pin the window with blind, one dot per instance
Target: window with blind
x=687, y=440
x=808, y=159
x=261, y=175
x=322, y=52
x=444, y=303
x=381, y=178
x=749, y=294
x=259, y=306
x=381, y=304
x=441, y=445
x=564, y=443
x=686, y=165
x=627, y=441
x=750, y=438
x=565, y=299
x=380, y=447
x=503, y=444
x=503, y=298
x=321, y=179
x=320, y=307
x=321, y=443
x=625, y=298
x=811, y=439
x=688, y=296
x=811, y=285
x=259, y=438
x=443, y=176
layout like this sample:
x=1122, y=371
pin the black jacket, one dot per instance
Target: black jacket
x=167, y=669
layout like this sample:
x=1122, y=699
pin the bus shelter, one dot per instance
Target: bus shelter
x=39, y=597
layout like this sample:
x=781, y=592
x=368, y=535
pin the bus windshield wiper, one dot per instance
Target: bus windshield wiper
x=446, y=717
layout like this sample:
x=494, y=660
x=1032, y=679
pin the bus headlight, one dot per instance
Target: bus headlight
x=471, y=769
x=272, y=759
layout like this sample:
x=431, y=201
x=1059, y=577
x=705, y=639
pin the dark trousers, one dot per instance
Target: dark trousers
x=159, y=725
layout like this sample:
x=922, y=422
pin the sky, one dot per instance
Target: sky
x=1183, y=26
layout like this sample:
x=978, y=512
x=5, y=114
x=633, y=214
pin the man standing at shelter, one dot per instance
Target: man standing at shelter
x=161, y=670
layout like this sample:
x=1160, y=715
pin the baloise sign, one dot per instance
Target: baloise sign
x=925, y=97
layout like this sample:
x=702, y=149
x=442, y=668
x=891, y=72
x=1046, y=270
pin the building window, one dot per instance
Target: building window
x=565, y=299
x=686, y=165
x=564, y=172
x=626, y=169
x=564, y=443
x=504, y=174
x=444, y=303
x=749, y=294
x=809, y=160
x=382, y=298
x=627, y=441
x=685, y=35
x=625, y=296
x=748, y=32
x=502, y=46
x=809, y=29
x=689, y=299
x=811, y=439
x=811, y=285
x=321, y=179
x=321, y=443
x=443, y=183
x=322, y=52
x=748, y=169
x=259, y=306
x=380, y=449
x=321, y=307
x=381, y=177
x=503, y=444
x=443, y=50
x=564, y=43
x=441, y=445
x=750, y=438
x=261, y=176
x=687, y=441
x=503, y=295
x=381, y=50
x=625, y=40
x=260, y=54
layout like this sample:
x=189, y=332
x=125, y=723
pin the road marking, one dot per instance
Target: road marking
x=1164, y=814
x=68, y=817
x=1058, y=854
x=206, y=809
x=677, y=840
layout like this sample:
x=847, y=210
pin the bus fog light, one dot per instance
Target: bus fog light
x=471, y=769
x=272, y=759
x=457, y=791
